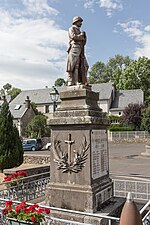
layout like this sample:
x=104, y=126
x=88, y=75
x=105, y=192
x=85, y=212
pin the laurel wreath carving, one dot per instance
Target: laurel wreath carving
x=78, y=162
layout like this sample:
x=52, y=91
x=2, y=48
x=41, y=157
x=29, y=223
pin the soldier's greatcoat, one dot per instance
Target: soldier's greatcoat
x=76, y=46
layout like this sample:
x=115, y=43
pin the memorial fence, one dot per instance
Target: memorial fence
x=139, y=189
x=50, y=220
x=30, y=188
x=127, y=135
x=33, y=189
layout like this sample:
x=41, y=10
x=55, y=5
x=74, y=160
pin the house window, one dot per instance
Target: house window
x=47, y=109
x=17, y=107
x=119, y=113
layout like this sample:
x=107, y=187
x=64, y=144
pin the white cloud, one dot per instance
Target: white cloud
x=31, y=46
x=140, y=34
x=39, y=6
x=20, y=73
x=110, y=6
x=89, y=4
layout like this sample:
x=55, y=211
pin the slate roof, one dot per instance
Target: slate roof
x=17, y=113
x=42, y=96
x=104, y=89
x=125, y=97
x=38, y=96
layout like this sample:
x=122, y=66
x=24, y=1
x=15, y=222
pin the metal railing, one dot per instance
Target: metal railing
x=126, y=135
x=50, y=220
x=139, y=189
x=32, y=189
x=146, y=218
x=28, y=190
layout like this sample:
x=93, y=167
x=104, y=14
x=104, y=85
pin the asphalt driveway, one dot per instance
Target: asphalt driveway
x=126, y=159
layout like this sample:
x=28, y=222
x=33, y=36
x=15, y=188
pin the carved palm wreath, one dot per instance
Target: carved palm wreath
x=63, y=160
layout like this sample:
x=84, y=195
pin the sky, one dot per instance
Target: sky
x=34, y=36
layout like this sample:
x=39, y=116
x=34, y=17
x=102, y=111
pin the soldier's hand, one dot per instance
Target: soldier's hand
x=82, y=36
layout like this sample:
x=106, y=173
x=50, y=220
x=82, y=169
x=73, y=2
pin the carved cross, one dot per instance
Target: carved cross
x=69, y=142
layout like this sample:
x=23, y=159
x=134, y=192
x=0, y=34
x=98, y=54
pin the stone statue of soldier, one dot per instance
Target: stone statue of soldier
x=77, y=65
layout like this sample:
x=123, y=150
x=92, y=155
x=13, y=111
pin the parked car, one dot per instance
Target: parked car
x=48, y=146
x=32, y=144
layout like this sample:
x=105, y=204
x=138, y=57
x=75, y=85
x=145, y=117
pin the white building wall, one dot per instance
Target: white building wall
x=104, y=105
x=116, y=113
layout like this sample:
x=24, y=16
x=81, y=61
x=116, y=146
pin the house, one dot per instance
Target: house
x=106, y=95
x=22, y=114
x=123, y=98
x=41, y=97
x=110, y=100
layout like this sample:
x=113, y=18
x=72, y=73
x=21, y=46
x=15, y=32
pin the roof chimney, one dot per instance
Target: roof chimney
x=27, y=102
x=130, y=214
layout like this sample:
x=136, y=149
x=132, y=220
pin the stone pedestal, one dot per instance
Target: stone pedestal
x=79, y=167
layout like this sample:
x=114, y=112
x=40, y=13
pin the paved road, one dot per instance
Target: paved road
x=123, y=159
x=127, y=159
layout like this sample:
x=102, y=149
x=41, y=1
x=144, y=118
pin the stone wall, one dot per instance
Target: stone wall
x=36, y=159
x=33, y=165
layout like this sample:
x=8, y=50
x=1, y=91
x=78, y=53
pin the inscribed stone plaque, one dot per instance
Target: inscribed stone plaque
x=99, y=146
x=103, y=196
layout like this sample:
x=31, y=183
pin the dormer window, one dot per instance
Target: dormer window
x=17, y=107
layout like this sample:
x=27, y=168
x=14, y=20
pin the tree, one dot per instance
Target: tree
x=60, y=82
x=34, y=106
x=146, y=119
x=137, y=76
x=9, y=90
x=14, y=92
x=37, y=128
x=7, y=87
x=11, y=151
x=98, y=73
x=132, y=115
x=116, y=66
x=102, y=73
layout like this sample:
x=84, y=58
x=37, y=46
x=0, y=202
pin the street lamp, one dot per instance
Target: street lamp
x=54, y=97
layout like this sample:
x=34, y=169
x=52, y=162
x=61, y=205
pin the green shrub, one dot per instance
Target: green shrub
x=118, y=127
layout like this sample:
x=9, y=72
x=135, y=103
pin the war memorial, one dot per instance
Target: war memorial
x=79, y=187
x=79, y=165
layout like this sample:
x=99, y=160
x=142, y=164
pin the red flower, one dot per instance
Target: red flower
x=22, y=173
x=40, y=211
x=22, y=204
x=35, y=213
x=17, y=209
x=47, y=211
x=33, y=218
x=8, y=178
x=15, y=175
x=4, y=211
x=33, y=208
x=9, y=203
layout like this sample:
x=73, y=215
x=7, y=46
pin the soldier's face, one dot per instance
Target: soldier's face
x=79, y=23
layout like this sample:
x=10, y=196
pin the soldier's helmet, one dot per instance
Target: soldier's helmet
x=77, y=18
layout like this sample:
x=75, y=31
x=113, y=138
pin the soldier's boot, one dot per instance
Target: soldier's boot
x=69, y=80
x=75, y=80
